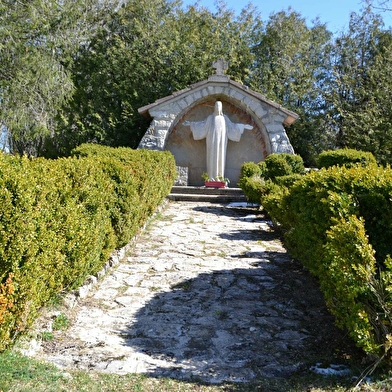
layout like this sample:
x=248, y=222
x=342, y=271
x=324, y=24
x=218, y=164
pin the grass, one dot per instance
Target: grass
x=21, y=374
x=46, y=336
x=61, y=322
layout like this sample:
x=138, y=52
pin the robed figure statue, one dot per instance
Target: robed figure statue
x=217, y=129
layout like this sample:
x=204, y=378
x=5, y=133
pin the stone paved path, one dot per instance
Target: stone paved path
x=206, y=292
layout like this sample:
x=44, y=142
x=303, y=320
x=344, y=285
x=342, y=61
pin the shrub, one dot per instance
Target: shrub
x=348, y=271
x=61, y=219
x=257, y=179
x=252, y=169
x=338, y=223
x=345, y=157
x=283, y=165
x=250, y=180
x=58, y=232
x=288, y=180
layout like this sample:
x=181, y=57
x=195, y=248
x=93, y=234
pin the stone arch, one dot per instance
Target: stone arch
x=241, y=104
x=253, y=146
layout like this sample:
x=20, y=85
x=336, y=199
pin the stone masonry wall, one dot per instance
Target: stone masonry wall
x=266, y=117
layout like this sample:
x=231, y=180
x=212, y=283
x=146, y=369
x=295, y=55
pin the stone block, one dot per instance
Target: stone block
x=70, y=300
x=92, y=280
x=261, y=111
x=219, y=89
x=100, y=274
x=83, y=291
x=182, y=176
x=159, y=113
x=237, y=95
x=218, y=78
x=226, y=91
x=114, y=260
x=204, y=92
x=182, y=104
x=254, y=105
x=247, y=101
x=197, y=95
x=149, y=143
x=162, y=124
x=274, y=128
x=190, y=99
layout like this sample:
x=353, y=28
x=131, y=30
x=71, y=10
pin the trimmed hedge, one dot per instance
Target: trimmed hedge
x=278, y=165
x=338, y=222
x=61, y=219
x=257, y=179
x=148, y=180
x=251, y=181
x=345, y=157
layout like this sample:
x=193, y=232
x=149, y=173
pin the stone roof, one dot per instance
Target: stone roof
x=222, y=81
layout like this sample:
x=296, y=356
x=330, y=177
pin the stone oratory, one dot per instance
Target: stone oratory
x=175, y=118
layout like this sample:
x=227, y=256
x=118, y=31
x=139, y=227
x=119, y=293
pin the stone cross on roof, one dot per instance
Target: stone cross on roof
x=221, y=66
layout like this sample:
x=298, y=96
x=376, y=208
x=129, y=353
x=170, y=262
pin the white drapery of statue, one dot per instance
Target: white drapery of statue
x=217, y=129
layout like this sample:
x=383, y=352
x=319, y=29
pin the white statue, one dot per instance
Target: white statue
x=217, y=129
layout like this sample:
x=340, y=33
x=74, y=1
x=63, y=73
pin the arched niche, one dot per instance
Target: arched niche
x=196, y=103
x=253, y=146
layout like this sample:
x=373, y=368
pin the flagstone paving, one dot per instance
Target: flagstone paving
x=205, y=292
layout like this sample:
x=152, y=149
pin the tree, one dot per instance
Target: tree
x=37, y=41
x=292, y=68
x=380, y=5
x=148, y=50
x=362, y=88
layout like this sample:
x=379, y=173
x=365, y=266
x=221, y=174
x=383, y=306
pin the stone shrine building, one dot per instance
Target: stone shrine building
x=263, y=129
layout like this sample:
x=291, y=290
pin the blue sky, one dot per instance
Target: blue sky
x=336, y=13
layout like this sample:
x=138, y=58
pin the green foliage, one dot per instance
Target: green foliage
x=38, y=40
x=78, y=71
x=141, y=55
x=292, y=67
x=360, y=110
x=287, y=181
x=61, y=322
x=276, y=166
x=258, y=179
x=148, y=179
x=75, y=72
x=337, y=221
x=283, y=165
x=61, y=219
x=345, y=157
x=251, y=181
x=349, y=268
x=251, y=169
x=253, y=188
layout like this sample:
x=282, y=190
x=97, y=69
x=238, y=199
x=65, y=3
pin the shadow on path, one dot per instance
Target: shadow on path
x=207, y=294
x=267, y=320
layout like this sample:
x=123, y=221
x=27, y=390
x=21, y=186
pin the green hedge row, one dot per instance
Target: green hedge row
x=148, y=180
x=61, y=219
x=345, y=157
x=257, y=179
x=338, y=222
